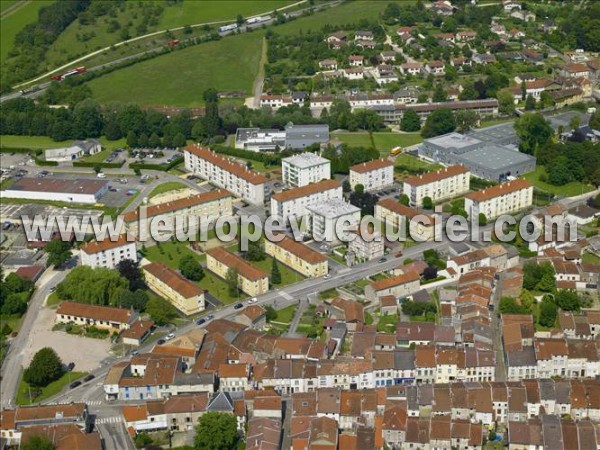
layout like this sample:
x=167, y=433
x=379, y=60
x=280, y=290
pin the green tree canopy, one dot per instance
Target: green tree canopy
x=45, y=367
x=410, y=121
x=190, y=268
x=59, y=252
x=99, y=286
x=216, y=431
x=275, y=274
x=160, y=310
x=534, y=131
x=439, y=122
x=37, y=442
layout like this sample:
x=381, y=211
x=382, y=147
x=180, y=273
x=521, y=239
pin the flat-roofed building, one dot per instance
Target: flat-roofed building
x=332, y=220
x=294, y=202
x=421, y=226
x=297, y=256
x=80, y=190
x=506, y=198
x=304, y=168
x=251, y=280
x=237, y=179
x=259, y=140
x=108, y=253
x=302, y=136
x=442, y=184
x=182, y=293
x=105, y=317
x=207, y=206
x=373, y=175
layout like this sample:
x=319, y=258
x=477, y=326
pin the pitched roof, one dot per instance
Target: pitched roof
x=96, y=312
x=174, y=280
x=226, y=164
x=430, y=177
x=304, y=191
x=375, y=164
x=235, y=262
x=95, y=247
x=499, y=190
x=176, y=205
x=304, y=252
x=395, y=281
x=396, y=207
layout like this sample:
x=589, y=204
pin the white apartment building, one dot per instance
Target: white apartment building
x=304, y=168
x=333, y=220
x=506, y=198
x=225, y=173
x=294, y=202
x=108, y=253
x=373, y=175
x=367, y=245
x=439, y=185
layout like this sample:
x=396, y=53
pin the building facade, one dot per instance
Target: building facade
x=332, y=220
x=251, y=280
x=442, y=184
x=183, y=294
x=294, y=202
x=506, y=198
x=373, y=175
x=297, y=256
x=108, y=253
x=304, y=168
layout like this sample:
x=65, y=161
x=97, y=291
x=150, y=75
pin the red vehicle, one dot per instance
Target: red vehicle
x=173, y=42
x=75, y=71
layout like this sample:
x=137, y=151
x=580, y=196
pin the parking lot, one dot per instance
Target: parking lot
x=152, y=156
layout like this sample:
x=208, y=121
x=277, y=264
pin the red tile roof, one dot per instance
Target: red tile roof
x=226, y=164
x=395, y=281
x=233, y=261
x=181, y=285
x=372, y=165
x=430, y=177
x=300, y=250
x=304, y=191
x=96, y=312
x=499, y=190
x=95, y=247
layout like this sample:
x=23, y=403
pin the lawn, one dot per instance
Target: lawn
x=169, y=253
x=359, y=139
x=590, y=258
x=288, y=276
x=286, y=314
x=5, y=4
x=167, y=187
x=179, y=78
x=218, y=288
x=412, y=162
x=52, y=389
x=12, y=320
x=385, y=142
x=387, y=324
x=568, y=190
x=11, y=24
x=45, y=142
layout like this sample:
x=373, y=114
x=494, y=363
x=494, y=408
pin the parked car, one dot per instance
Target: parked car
x=169, y=336
x=252, y=300
x=161, y=341
x=200, y=321
x=135, y=353
x=238, y=306
x=90, y=377
x=210, y=317
x=327, y=277
x=382, y=260
x=398, y=254
x=70, y=366
x=74, y=384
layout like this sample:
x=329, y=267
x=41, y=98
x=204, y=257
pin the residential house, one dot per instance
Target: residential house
x=251, y=280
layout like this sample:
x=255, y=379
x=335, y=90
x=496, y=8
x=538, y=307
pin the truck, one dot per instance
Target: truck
x=396, y=151
x=230, y=27
x=62, y=76
x=258, y=19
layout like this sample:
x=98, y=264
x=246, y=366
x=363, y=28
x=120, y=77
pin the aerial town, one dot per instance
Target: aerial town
x=300, y=225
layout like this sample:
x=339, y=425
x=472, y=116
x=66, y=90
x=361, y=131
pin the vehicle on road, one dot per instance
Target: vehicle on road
x=200, y=321
x=238, y=306
x=327, y=277
x=70, y=366
x=74, y=384
x=382, y=260
x=135, y=353
x=169, y=336
x=252, y=300
x=160, y=342
x=62, y=76
x=210, y=317
x=90, y=377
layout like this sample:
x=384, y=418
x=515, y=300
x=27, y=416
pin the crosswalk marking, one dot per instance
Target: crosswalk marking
x=112, y=419
x=92, y=402
x=285, y=295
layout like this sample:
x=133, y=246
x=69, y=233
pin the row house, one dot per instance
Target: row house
x=399, y=286
x=226, y=174
x=345, y=374
x=275, y=101
x=585, y=325
x=297, y=256
x=286, y=376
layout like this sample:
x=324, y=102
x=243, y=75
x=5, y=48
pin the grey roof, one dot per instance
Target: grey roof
x=459, y=248
x=86, y=145
x=494, y=157
x=552, y=432
x=222, y=401
x=404, y=359
x=306, y=131
x=333, y=208
x=498, y=134
x=339, y=331
x=421, y=296
x=547, y=389
x=454, y=140
x=525, y=357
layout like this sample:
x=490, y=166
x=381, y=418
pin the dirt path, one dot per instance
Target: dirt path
x=12, y=9
x=260, y=79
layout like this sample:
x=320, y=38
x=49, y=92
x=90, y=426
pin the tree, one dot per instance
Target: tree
x=534, y=131
x=506, y=103
x=427, y=203
x=37, y=442
x=404, y=200
x=410, y=121
x=359, y=188
x=527, y=299
x=523, y=90
x=595, y=121
x=191, y=268
x=216, y=431
x=529, y=103
x=97, y=168
x=574, y=123
x=131, y=139
x=239, y=20
x=211, y=122
x=160, y=310
x=465, y=120
x=87, y=119
x=567, y=300
x=179, y=140
x=430, y=272
x=270, y=313
x=59, y=252
x=232, y=282
x=143, y=140
x=482, y=219
x=508, y=305
x=548, y=312
x=346, y=186
x=275, y=274
x=439, y=94
x=468, y=92
x=45, y=367
x=154, y=141
x=130, y=270
x=136, y=300
x=98, y=286
x=439, y=122
x=449, y=25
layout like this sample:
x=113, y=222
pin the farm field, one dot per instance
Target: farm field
x=12, y=23
x=180, y=78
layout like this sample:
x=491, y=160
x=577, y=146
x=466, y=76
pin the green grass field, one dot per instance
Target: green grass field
x=166, y=187
x=44, y=142
x=590, y=258
x=288, y=276
x=412, y=162
x=218, y=288
x=568, y=190
x=6, y=4
x=52, y=389
x=384, y=142
x=169, y=253
x=12, y=23
x=180, y=78
x=286, y=314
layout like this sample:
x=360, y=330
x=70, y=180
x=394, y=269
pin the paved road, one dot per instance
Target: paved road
x=13, y=363
x=297, y=316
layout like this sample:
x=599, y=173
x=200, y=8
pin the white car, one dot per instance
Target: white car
x=169, y=336
x=252, y=300
x=327, y=277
